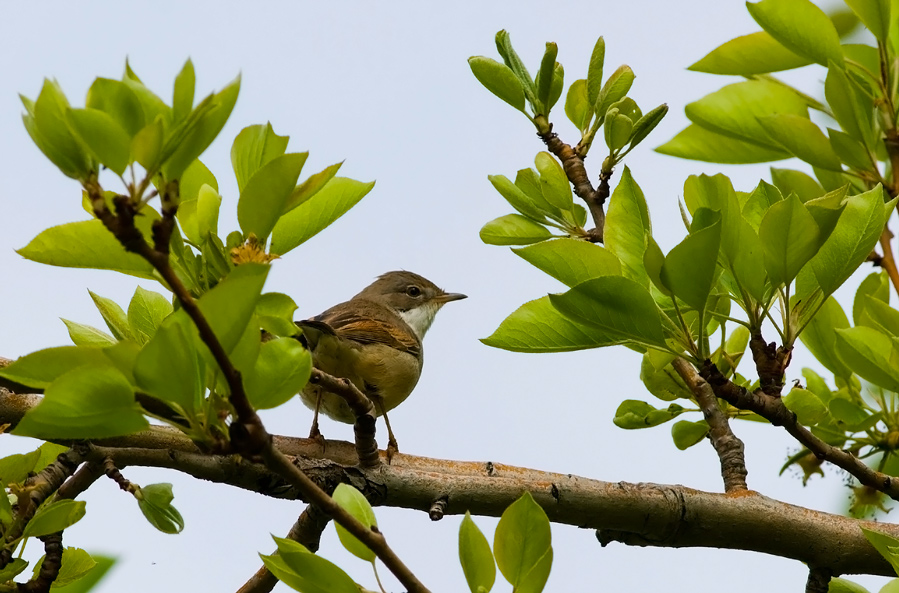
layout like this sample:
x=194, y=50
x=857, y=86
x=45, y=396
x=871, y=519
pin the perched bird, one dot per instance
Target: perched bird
x=374, y=340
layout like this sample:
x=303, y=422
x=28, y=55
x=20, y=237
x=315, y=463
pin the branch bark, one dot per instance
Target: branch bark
x=634, y=514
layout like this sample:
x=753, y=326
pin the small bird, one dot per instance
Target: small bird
x=375, y=341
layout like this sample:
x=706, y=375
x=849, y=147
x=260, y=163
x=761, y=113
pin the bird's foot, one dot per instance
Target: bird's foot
x=392, y=449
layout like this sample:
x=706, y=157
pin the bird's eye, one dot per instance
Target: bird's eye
x=413, y=291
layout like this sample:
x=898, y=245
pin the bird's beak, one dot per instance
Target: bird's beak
x=450, y=296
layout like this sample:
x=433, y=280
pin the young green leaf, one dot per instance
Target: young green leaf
x=476, y=557
x=846, y=103
x=146, y=312
x=875, y=14
x=594, y=71
x=627, y=227
x=253, y=148
x=634, y=414
x=807, y=406
x=544, y=79
x=517, y=198
x=499, y=80
x=620, y=307
x=311, y=186
x=116, y=99
x=801, y=27
x=513, y=229
x=319, y=211
x=881, y=316
x=537, y=326
x=616, y=87
x=886, y=545
x=790, y=237
x=789, y=181
x=877, y=286
x=41, y=368
x=114, y=316
x=146, y=145
x=155, y=502
x=820, y=337
x=274, y=310
x=871, y=354
x=305, y=572
x=354, y=502
x=265, y=195
x=76, y=563
x=54, y=516
x=47, y=123
x=646, y=124
x=618, y=130
x=183, y=95
x=230, y=305
x=104, y=137
x=282, y=370
x=510, y=57
x=85, y=335
x=522, y=539
x=578, y=109
x=553, y=181
x=11, y=570
x=689, y=268
x=169, y=367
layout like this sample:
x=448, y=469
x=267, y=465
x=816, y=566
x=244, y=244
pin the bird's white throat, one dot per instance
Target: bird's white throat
x=420, y=318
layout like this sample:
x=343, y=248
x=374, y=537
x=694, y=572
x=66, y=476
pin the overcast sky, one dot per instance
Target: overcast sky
x=386, y=86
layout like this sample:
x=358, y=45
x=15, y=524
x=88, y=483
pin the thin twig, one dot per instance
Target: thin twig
x=887, y=261
x=818, y=580
x=362, y=407
x=726, y=444
x=50, y=566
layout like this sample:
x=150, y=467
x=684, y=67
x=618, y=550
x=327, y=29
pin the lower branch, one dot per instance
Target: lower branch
x=818, y=580
x=50, y=566
x=774, y=411
x=887, y=261
x=726, y=444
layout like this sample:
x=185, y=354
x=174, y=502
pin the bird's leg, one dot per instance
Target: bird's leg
x=392, y=448
x=314, y=433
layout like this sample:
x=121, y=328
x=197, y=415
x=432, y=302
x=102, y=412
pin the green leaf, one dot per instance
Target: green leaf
x=594, y=71
x=871, y=354
x=537, y=326
x=312, y=216
x=155, y=502
x=499, y=80
x=838, y=585
x=311, y=186
x=875, y=14
x=146, y=145
x=618, y=130
x=544, y=79
x=807, y=406
x=183, y=95
x=664, y=382
x=791, y=181
x=756, y=53
x=14, y=469
x=194, y=178
x=685, y=434
x=620, y=307
x=801, y=27
x=850, y=151
x=756, y=205
x=505, y=49
x=205, y=127
x=88, y=402
x=699, y=144
x=104, y=137
x=876, y=285
x=303, y=571
x=516, y=197
x=845, y=103
x=199, y=217
x=647, y=124
x=229, y=306
x=634, y=414
x=119, y=101
x=627, y=227
x=476, y=557
x=577, y=107
x=689, y=268
x=114, y=316
x=76, y=563
x=571, y=261
x=513, y=229
x=85, y=335
x=169, y=367
x=39, y=369
x=790, y=237
x=851, y=241
x=282, y=370
x=47, y=123
x=274, y=311
x=535, y=580
x=616, y=87
x=849, y=415
x=85, y=244
x=11, y=570
x=354, y=502
x=802, y=139
x=264, y=197
x=735, y=109
x=886, y=545
x=820, y=337
x=253, y=148
x=146, y=312
x=522, y=538
x=881, y=316
x=553, y=181
x=54, y=516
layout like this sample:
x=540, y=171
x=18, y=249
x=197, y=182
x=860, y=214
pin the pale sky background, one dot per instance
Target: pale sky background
x=386, y=86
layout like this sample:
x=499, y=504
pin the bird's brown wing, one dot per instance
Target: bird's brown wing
x=378, y=326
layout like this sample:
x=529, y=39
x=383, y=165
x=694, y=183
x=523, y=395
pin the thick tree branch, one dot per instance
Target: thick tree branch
x=634, y=514
x=726, y=444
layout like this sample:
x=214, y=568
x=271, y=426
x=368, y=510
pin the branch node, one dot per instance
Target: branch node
x=438, y=507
